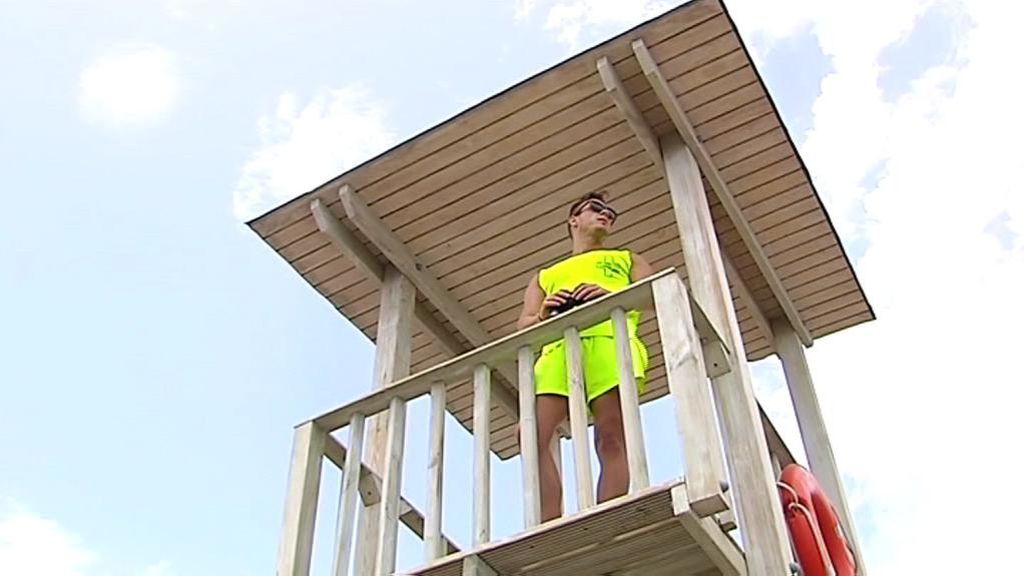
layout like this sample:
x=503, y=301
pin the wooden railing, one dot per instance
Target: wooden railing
x=693, y=350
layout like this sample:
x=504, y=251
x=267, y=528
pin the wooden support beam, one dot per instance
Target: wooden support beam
x=296, y=548
x=754, y=492
x=432, y=538
x=529, y=450
x=402, y=258
x=675, y=112
x=481, y=455
x=352, y=473
x=632, y=426
x=776, y=446
x=392, y=362
x=813, y=432
x=726, y=520
x=709, y=536
x=716, y=359
x=748, y=299
x=578, y=420
x=387, y=540
x=687, y=381
x=613, y=86
x=373, y=269
x=475, y=566
x=370, y=482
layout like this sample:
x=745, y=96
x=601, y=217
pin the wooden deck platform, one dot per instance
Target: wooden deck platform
x=651, y=533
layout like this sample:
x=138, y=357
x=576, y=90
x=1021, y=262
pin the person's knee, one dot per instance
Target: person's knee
x=550, y=414
x=610, y=439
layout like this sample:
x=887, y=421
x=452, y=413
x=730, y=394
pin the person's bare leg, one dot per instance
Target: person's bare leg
x=610, y=442
x=552, y=410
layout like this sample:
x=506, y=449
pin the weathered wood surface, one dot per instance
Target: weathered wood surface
x=632, y=425
x=813, y=431
x=636, y=535
x=296, y=546
x=755, y=495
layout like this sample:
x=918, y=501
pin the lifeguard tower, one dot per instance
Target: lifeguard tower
x=428, y=247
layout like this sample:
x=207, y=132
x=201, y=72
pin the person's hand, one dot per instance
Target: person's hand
x=588, y=292
x=551, y=302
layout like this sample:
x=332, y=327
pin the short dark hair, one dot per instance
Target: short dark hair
x=595, y=195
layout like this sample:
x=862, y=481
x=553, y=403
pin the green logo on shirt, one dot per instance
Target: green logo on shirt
x=612, y=267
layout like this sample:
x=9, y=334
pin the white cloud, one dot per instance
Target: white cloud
x=208, y=14
x=34, y=546
x=31, y=545
x=162, y=568
x=570, y=19
x=302, y=147
x=523, y=8
x=132, y=85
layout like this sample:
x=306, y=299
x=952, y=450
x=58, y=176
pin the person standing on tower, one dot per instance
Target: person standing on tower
x=589, y=272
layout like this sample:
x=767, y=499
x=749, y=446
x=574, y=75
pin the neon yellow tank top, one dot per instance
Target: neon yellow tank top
x=609, y=269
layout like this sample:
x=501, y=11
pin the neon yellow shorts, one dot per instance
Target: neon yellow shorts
x=600, y=367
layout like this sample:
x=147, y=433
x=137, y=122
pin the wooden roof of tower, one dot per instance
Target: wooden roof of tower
x=480, y=199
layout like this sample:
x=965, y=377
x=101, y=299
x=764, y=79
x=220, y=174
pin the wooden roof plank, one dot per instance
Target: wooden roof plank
x=624, y=102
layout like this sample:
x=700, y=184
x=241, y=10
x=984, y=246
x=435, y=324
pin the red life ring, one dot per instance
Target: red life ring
x=814, y=526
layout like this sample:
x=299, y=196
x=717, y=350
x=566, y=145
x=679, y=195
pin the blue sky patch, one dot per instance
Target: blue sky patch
x=929, y=44
x=793, y=70
x=999, y=228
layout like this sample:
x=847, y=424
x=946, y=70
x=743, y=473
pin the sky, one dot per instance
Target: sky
x=154, y=354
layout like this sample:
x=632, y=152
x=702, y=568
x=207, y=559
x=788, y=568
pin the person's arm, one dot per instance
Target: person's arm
x=641, y=269
x=537, y=308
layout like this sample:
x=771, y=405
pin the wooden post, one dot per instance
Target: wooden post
x=475, y=566
x=755, y=494
x=695, y=412
x=812, y=427
x=432, y=538
x=528, y=448
x=387, y=543
x=392, y=362
x=578, y=419
x=296, y=548
x=481, y=455
x=555, y=448
x=349, y=494
x=632, y=428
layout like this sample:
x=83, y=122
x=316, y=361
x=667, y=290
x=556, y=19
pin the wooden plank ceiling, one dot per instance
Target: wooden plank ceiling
x=481, y=199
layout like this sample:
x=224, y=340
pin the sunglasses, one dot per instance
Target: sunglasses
x=598, y=207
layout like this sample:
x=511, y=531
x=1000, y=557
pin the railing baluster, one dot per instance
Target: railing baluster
x=555, y=448
x=387, y=542
x=628, y=396
x=578, y=419
x=528, y=439
x=434, y=543
x=349, y=494
x=688, y=384
x=296, y=547
x=482, y=455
